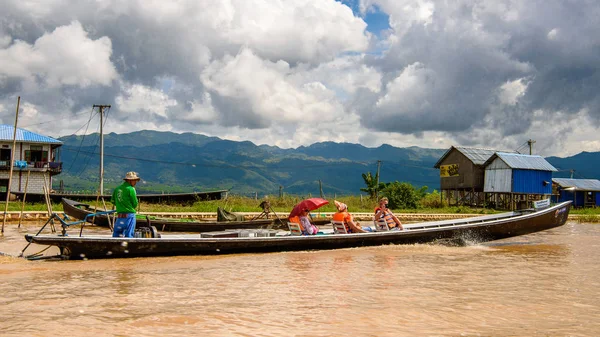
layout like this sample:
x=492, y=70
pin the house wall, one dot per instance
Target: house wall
x=19, y=178
x=498, y=177
x=469, y=177
x=576, y=198
x=565, y=196
x=531, y=181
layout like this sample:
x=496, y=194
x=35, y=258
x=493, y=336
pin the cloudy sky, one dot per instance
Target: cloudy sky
x=486, y=73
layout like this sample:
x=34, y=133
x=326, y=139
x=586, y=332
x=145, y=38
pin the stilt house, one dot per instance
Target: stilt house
x=583, y=192
x=462, y=173
x=35, y=160
x=512, y=180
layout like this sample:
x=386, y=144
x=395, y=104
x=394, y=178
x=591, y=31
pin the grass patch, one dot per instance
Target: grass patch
x=356, y=204
x=588, y=218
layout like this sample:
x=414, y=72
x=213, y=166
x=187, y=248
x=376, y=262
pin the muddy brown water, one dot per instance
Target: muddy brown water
x=544, y=284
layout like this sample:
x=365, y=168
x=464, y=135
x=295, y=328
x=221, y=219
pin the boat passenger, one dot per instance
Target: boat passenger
x=308, y=228
x=343, y=215
x=125, y=200
x=383, y=212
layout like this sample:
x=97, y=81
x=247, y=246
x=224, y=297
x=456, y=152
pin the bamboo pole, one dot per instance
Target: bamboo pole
x=47, y=196
x=111, y=219
x=24, y=196
x=48, y=202
x=12, y=163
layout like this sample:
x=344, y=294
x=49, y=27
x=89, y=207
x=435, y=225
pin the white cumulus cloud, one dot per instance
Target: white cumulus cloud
x=65, y=56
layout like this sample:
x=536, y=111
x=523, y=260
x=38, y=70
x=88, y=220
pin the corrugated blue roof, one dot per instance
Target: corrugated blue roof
x=7, y=131
x=578, y=184
x=523, y=161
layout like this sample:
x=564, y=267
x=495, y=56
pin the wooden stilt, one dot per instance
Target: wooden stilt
x=24, y=197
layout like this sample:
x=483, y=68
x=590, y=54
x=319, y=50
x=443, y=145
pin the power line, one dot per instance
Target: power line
x=89, y=157
x=521, y=147
x=83, y=137
x=54, y=120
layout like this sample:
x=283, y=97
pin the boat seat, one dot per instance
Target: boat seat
x=381, y=225
x=338, y=227
x=294, y=228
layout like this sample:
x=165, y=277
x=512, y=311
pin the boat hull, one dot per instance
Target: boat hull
x=479, y=229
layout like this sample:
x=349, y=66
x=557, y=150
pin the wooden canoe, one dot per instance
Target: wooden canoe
x=169, y=198
x=477, y=229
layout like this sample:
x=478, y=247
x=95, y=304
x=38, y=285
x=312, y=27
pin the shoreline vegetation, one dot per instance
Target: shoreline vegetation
x=282, y=206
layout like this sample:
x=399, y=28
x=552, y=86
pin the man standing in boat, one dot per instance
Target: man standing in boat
x=125, y=199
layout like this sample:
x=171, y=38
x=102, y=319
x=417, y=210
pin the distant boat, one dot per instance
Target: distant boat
x=156, y=198
x=477, y=229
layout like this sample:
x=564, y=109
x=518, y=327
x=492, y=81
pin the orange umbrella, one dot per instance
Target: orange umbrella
x=309, y=204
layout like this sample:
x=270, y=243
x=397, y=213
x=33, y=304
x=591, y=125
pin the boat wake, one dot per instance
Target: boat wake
x=450, y=242
x=461, y=240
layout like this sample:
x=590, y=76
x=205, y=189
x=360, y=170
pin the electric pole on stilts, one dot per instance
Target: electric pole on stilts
x=101, y=110
x=530, y=142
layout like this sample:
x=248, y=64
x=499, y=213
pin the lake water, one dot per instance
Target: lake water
x=544, y=284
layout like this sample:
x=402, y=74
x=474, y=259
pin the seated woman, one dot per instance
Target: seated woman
x=383, y=212
x=308, y=228
x=345, y=217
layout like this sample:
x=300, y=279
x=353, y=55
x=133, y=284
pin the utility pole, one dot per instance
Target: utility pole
x=12, y=163
x=321, y=188
x=377, y=186
x=530, y=142
x=101, y=111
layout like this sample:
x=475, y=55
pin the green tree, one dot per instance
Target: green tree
x=403, y=195
x=372, y=186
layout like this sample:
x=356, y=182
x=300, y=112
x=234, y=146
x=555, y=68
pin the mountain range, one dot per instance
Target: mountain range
x=170, y=162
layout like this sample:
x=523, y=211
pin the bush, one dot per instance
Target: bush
x=403, y=195
x=432, y=200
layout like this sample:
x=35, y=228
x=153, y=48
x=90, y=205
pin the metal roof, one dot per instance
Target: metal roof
x=578, y=184
x=7, y=133
x=476, y=155
x=522, y=161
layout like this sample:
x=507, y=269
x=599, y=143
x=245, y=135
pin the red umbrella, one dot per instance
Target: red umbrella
x=309, y=204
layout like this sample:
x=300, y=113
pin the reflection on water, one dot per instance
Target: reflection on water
x=540, y=284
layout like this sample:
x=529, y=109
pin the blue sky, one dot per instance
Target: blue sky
x=377, y=21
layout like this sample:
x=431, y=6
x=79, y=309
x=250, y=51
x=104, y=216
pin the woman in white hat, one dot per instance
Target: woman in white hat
x=125, y=200
x=345, y=217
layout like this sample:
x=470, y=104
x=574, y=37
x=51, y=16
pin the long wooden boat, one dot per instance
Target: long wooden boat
x=82, y=211
x=168, y=198
x=477, y=229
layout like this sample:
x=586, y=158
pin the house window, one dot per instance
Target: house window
x=590, y=198
x=5, y=154
x=36, y=154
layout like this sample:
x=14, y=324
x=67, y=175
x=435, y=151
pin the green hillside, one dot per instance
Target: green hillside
x=171, y=162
